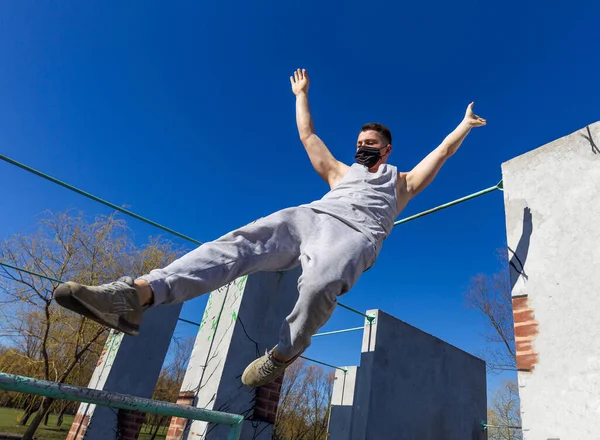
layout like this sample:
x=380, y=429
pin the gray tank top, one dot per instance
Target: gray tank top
x=365, y=201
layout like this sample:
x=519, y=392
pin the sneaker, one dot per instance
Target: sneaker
x=115, y=305
x=264, y=370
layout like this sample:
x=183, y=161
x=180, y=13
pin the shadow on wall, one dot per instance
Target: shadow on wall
x=519, y=255
x=590, y=139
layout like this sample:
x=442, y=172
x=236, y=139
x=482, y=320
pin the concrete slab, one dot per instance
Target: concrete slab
x=552, y=204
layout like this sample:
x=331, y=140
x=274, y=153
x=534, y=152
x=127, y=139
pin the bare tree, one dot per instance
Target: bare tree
x=491, y=295
x=51, y=341
x=304, y=403
x=504, y=416
x=170, y=380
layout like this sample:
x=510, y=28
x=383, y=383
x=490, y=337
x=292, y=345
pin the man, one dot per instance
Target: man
x=335, y=239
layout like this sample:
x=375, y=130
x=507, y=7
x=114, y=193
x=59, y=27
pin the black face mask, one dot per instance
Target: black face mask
x=368, y=156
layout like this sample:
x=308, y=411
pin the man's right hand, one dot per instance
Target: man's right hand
x=299, y=82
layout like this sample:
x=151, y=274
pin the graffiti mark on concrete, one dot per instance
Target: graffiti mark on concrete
x=590, y=139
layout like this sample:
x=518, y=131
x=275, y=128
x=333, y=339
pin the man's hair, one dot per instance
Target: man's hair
x=379, y=128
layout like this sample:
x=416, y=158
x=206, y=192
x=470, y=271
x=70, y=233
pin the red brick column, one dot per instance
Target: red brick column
x=130, y=424
x=77, y=430
x=267, y=400
x=177, y=425
x=265, y=407
x=526, y=329
x=78, y=427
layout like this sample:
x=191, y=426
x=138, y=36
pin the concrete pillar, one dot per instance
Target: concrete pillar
x=552, y=204
x=128, y=365
x=241, y=321
x=412, y=385
x=342, y=400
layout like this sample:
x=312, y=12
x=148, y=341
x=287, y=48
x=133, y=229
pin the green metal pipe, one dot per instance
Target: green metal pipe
x=369, y=318
x=189, y=322
x=484, y=426
x=97, y=199
x=335, y=332
x=323, y=363
x=39, y=275
x=236, y=431
x=452, y=203
x=10, y=382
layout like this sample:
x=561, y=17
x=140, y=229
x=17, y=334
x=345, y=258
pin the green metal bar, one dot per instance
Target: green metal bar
x=55, y=390
x=484, y=426
x=335, y=332
x=369, y=318
x=449, y=204
x=190, y=322
x=20, y=269
x=97, y=199
x=236, y=431
x=323, y=363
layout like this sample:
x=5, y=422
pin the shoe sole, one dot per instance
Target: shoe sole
x=65, y=297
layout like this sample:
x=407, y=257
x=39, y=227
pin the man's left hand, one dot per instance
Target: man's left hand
x=472, y=119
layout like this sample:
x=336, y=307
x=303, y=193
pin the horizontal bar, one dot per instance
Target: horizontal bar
x=335, y=332
x=189, y=322
x=369, y=318
x=485, y=425
x=20, y=269
x=449, y=204
x=323, y=363
x=74, y=393
x=97, y=199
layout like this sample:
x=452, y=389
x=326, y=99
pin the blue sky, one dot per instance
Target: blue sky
x=184, y=113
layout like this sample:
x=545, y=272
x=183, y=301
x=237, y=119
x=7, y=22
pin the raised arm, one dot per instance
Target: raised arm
x=327, y=166
x=424, y=173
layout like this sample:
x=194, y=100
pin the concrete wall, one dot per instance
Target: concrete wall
x=242, y=320
x=552, y=203
x=342, y=401
x=411, y=385
x=127, y=365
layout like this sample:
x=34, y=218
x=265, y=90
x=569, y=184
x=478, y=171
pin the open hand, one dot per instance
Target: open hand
x=472, y=119
x=299, y=82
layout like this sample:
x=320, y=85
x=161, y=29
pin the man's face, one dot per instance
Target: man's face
x=373, y=139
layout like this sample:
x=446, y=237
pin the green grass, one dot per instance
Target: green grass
x=9, y=424
x=160, y=436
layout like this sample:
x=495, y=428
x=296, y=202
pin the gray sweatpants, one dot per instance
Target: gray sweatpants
x=332, y=254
